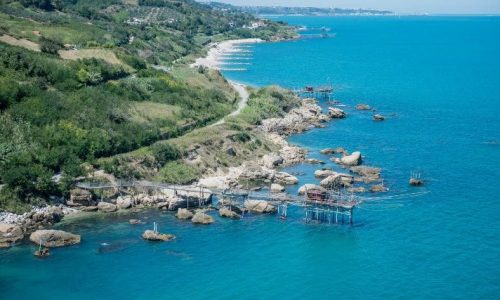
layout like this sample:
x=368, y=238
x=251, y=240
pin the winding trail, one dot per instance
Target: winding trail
x=244, y=95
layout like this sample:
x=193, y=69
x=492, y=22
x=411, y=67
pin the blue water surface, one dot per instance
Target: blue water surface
x=437, y=80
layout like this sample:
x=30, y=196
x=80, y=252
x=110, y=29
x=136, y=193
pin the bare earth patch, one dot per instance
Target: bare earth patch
x=21, y=42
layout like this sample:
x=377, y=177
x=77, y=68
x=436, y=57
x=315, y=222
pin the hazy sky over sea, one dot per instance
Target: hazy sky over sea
x=400, y=6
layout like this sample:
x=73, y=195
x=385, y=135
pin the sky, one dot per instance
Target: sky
x=399, y=6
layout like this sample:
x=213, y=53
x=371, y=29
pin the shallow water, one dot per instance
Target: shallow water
x=437, y=81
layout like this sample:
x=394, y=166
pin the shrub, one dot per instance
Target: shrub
x=178, y=173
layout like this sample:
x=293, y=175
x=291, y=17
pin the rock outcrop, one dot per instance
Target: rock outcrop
x=54, y=238
x=151, y=235
x=272, y=160
x=285, y=178
x=9, y=234
x=336, y=113
x=200, y=217
x=277, y=188
x=368, y=174
x=259, y=206
x=338, y=180
x=184, y=214
x=124, y=202
x=80, y=197
x=311, y=187
x=106, y=207
x=323, y=173
x=228, y=213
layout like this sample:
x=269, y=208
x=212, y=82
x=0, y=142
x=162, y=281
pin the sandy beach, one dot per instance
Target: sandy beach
x=218, y=50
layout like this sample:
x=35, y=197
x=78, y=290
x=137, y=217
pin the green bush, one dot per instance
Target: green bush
x=177, y=172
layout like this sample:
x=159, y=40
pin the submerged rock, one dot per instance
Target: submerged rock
x=106, y=207
x=338, y=150
x=358, y=189
x=184, y=214
x=151, y=235
x=200, y=217
x=351, y=160
x=378, y=188
x=54, y=238
x=314, y=161
x=228, y=213
x=259, y=206
x=363, y=107
x=134, y=221
x=368, y=174
x=9, y=234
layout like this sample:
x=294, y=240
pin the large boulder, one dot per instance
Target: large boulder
x=200, y=217
x=124, y=202
x=106, y=207
x=228, y=213
x=337, y=179
x=285, y=178
x=80, y=197
x=336, y=113
x=184, y=214
x=54, y=238
x=311, y=187
x=416, y=182
x=9, y=234
x=272, y=160
x=277, y=188
x=351, y=160
x=259, y=206
x=151, y=235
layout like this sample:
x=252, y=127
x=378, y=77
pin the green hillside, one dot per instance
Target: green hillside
x=83, y=80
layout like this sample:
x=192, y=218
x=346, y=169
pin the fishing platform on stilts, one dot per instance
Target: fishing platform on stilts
x=318, y=92
x=321, y=206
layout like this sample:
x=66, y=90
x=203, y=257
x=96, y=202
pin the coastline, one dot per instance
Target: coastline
x=264, y=169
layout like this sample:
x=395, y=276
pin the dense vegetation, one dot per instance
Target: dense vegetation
x=62, y=116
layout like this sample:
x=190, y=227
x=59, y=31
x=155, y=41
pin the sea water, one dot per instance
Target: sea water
x=437, y=81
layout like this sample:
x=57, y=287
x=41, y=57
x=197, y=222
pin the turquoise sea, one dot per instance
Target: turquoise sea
x=437, y=79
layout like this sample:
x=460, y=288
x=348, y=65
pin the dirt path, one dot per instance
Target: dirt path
x=244, y=95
